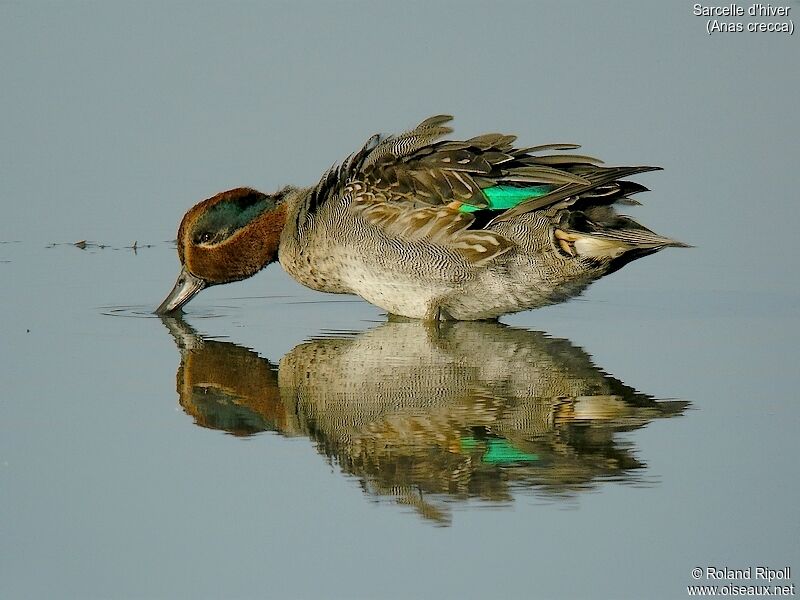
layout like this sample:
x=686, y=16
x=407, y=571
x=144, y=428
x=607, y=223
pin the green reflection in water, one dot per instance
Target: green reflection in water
x=498, y=451
x=428, y=415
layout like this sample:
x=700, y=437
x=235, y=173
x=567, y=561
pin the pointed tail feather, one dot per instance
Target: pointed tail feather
x=639, y=238
x=613, y=244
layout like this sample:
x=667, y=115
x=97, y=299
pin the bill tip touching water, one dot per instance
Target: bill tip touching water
x=428, y=228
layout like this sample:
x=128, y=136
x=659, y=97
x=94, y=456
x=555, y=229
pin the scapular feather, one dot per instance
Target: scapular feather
x=485, y=174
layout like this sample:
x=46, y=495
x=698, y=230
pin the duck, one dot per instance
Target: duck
x=428, y=228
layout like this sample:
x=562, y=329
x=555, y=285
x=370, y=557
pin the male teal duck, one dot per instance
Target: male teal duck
x=428, y=229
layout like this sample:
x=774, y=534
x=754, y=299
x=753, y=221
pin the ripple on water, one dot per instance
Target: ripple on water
x=146, y=312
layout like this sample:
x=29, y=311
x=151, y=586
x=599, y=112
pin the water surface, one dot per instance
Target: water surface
x=280, y=443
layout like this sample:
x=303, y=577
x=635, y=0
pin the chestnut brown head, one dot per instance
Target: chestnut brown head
x=226, y=238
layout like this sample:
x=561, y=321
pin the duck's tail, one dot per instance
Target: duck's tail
x=598, y=233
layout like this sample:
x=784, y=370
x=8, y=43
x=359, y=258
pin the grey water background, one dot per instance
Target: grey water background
x=117, y=118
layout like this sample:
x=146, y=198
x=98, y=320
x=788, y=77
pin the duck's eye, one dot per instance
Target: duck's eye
x=202, y=238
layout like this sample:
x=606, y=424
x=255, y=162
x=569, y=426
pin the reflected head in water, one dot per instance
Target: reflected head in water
x=429, y=415
x=428, y=229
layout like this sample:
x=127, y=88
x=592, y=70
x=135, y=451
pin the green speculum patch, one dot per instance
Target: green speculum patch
x=502, y=197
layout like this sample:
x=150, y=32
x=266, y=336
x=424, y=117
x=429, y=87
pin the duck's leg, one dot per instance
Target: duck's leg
x=438, y=314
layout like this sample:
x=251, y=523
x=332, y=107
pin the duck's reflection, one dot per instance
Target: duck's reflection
x=424, y=414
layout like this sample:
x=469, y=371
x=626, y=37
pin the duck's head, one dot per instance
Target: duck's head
x=226, y=238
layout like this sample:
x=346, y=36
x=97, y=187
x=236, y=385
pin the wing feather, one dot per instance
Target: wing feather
x=412, y=184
